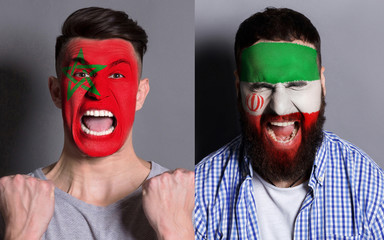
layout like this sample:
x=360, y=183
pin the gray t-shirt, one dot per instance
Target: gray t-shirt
x=75, y=219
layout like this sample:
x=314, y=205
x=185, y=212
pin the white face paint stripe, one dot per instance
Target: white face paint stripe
x=283, y=100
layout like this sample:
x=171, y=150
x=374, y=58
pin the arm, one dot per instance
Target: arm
x=377, y=227
x=27, y=206
x=168, y=201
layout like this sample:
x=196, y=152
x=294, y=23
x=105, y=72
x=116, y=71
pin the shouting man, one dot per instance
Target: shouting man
x=94, y=190
x=284, y=177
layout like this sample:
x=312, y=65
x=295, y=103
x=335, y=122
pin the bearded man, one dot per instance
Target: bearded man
x=99, y=188
x=284, y=177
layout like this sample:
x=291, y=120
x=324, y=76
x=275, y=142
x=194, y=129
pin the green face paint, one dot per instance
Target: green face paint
x=80, y=83
x=278, y=62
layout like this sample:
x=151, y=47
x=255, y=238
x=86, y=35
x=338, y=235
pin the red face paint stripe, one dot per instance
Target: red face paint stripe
x=260, y=123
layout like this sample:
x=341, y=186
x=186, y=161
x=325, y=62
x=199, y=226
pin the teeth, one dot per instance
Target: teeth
x=282, y=124
x=98, y=113
x=102, y=133
x=286, y=140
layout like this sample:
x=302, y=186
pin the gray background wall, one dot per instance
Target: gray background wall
x=31, y=126
x=352, y=50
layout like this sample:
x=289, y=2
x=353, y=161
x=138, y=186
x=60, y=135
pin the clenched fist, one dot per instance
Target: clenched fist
x=168, y=201
x=27, y=206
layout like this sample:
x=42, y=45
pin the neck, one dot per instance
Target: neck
x=288, y=184
x=98, y=181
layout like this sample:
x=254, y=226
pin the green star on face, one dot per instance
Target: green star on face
x=80, y=83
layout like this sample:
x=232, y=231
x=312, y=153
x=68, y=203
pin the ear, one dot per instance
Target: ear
x=55, y=90
x=322, y=80
x=142, y=93
x=237, y=82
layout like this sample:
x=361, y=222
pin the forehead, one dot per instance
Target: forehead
x=100, y=51
x=279, y=61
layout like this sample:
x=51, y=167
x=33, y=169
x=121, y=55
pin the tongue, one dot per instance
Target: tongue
x=283, y=133
x=97, y=124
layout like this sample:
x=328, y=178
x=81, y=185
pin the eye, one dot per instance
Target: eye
x=116, y=75
x=260, y=86
x=297, y=85
x=81, y=74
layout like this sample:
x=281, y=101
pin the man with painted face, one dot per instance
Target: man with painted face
x=94, y=190
x=284, y=177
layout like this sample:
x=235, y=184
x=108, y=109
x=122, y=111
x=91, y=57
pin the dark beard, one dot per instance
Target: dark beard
x=266, y=164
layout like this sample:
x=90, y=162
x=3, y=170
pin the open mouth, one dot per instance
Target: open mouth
x=98, y=122
x=283, y=132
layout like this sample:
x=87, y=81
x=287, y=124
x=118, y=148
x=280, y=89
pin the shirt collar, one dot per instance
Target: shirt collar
x=318, y=170
x=245, y=163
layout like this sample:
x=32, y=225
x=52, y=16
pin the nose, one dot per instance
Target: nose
x=280, y=103
x=98, y=88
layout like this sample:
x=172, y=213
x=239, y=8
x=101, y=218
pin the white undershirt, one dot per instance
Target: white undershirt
x=277, y=208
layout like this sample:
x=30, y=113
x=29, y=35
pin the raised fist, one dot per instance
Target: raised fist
x=168, y=201
x=27, y=205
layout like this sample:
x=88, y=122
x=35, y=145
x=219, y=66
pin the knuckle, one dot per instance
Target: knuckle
x=18, y=178
x=191, y=175
x=184, y=174
x=46, y=186
x=178, y=171
x=31, y=180
x=3, y=180
x=149, y=183
x=165, y=176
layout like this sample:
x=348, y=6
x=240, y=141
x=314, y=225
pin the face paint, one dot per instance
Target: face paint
x=281, y=94
x=254, y=102
x=99, y=90
x=73, y=81
x=278, y=62
x=279, y=164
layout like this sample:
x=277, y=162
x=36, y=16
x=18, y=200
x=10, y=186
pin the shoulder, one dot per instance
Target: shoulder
x=156, y=169
x=217, y=178
x=350, y=165
x=356, y=160
x=219, y=174
x=212, y=167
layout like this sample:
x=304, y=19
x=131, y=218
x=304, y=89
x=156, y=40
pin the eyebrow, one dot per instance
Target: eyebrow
x=297, y=84
x=80, y=60
x=117, y=62
x=114, y=63
x=258, y=85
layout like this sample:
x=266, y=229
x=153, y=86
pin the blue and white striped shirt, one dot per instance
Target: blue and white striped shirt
x=345, y=200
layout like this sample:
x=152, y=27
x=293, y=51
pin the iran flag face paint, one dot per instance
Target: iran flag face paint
x=281, y=94
x=99, y=86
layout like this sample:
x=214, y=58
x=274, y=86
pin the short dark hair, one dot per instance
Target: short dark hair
x=276, y=24
x=101, y=23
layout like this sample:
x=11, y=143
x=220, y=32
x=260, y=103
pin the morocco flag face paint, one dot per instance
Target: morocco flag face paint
x=280, y=92
x=99, y=87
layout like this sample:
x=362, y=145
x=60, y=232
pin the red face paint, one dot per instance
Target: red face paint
x=99, y=123
x=303, y=122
